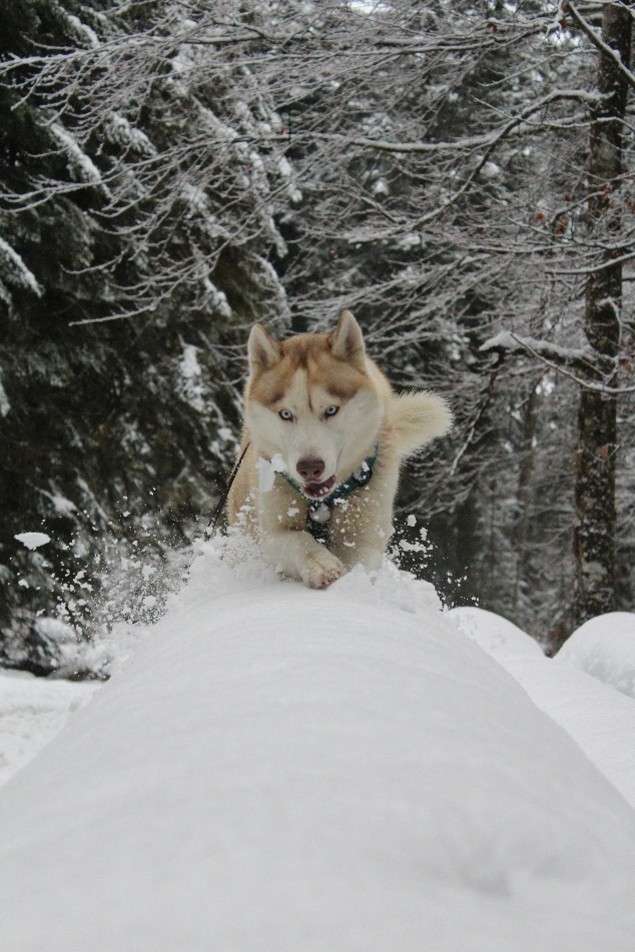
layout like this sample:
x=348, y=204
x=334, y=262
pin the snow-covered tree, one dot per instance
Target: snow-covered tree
x=433, y=167
x=126, y=286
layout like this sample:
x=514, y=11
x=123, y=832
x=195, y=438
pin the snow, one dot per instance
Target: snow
x=32, y=711
x=408, y=241
x=490, y=170
x=267, y=470
x=15, y=270
x=5, y=406
x=32, y=540
x=192, y=377
x=380, y=187
x=493, y=633
x=196, y=198
x=61, y=505
x=281, y=768
x=119, y=130
x=605, y=648
x=286, y=171
x=507, y=340
x=78, y=161
x=66, y=651
x=599, y=719
x=84, y=33
x=216, y=299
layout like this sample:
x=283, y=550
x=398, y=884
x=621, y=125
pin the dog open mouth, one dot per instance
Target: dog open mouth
x=319, y=490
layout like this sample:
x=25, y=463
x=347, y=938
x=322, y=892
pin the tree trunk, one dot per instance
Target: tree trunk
x=594, y=535
x=523, y=496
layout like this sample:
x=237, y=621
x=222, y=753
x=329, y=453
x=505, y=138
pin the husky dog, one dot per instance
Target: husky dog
x=323, y=439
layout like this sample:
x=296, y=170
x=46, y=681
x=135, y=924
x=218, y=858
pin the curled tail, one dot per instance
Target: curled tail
x=415, y=419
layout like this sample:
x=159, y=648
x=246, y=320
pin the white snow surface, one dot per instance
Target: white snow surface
x=32, y=711
x=277, y=768
x=605, y=648
x=599, y=719
x=495, y=634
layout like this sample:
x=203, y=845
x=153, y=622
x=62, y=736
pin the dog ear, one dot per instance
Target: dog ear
x=263, y=349
x=347, y=341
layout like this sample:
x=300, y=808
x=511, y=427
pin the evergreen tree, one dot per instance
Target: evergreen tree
x=126, y=290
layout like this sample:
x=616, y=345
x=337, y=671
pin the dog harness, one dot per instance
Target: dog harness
x=319, y=511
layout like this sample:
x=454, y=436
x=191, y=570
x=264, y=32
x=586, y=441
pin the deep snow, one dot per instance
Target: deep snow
x=597, y=717
x=283, y=769
x=32, y=711
x=604, y=647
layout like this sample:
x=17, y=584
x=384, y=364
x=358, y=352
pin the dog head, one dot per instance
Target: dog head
x=314, y=401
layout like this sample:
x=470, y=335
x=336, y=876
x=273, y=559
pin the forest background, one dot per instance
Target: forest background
x=460, y=175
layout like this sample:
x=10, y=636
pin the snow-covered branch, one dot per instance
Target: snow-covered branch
x=558, y=358
x=595, y=37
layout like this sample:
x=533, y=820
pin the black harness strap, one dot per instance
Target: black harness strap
x=223, y=499
x=319, y=510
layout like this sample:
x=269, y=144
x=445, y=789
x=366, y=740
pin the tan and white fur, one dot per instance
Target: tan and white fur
x=321, y=405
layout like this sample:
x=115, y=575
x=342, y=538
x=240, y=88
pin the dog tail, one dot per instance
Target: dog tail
x=417, y=418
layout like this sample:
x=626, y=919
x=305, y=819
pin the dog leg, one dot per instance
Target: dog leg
x=360, y=541
x=297, y=555
x=366, y=552
x=285, y=543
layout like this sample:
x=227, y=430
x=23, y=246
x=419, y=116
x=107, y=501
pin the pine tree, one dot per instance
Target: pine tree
x=126, y=288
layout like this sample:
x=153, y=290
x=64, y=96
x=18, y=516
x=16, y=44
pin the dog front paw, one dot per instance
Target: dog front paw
x=322, y=569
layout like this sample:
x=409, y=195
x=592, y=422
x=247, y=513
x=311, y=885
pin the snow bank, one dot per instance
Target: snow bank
x=604, y=647
x=284, y=769
x=600, y=721
x=32, y=711
x=493, y=633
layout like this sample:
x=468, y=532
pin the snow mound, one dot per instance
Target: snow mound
x=284, y=769
x=604, y=647
x=493, y=633
x=598, y=719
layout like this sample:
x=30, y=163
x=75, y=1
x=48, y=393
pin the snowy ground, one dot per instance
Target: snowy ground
x=32, y=712
x=344, y=770
x=605, y=648
x=597, y=717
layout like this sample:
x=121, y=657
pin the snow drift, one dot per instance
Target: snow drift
x=32, y=711
x=598, y=718
x=283, y=769
x=604, y=647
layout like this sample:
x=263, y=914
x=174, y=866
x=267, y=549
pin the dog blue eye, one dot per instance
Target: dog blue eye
x=330, y=411
x=285, y=415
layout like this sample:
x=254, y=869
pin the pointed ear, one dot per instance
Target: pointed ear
x=263, y=349
x=347, y=341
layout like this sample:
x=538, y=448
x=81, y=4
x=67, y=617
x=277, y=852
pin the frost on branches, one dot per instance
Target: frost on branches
x=436, y=170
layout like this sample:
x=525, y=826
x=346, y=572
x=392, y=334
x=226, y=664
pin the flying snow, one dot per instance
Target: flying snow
x=32, y=540
x=298, y=770
x=267, y=470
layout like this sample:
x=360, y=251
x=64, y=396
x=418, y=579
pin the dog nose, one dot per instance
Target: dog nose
x=310, y=468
